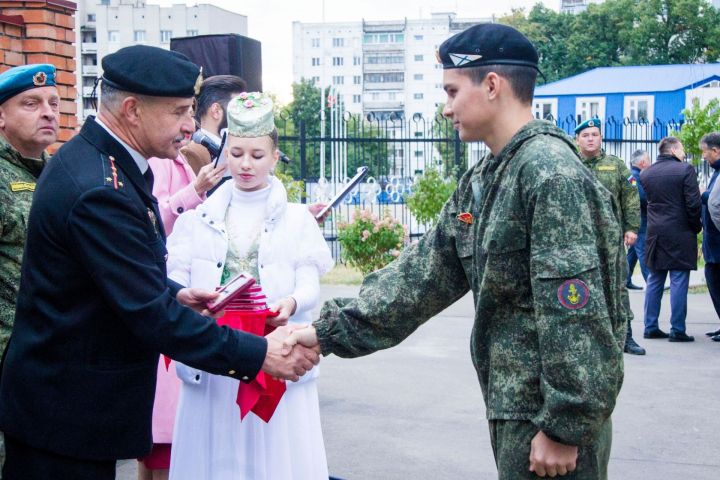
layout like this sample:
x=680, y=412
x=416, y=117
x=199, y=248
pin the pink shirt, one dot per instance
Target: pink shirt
x=173, y=187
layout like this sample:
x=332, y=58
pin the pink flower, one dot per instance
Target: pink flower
x=243, y=95
x=376, y=229
x=365, y=234
x=249, y=104
x=395, y=253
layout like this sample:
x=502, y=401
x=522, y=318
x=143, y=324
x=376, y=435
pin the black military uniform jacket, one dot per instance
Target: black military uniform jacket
x=95, y=307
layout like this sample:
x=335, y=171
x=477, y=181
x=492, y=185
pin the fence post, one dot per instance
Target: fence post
x=303, y=155
x=458, y=159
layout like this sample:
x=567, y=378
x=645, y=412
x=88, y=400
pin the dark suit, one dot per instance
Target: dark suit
x=95, y=308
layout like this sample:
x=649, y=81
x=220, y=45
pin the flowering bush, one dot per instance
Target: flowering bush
x=368, y=242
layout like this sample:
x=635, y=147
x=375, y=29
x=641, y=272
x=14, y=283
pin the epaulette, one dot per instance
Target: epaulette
x=110, y=172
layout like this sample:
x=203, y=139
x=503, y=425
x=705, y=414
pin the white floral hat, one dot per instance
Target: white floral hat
x=250, y=114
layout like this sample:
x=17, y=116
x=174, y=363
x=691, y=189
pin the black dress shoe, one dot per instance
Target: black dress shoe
x=632, y=347
x=681, y=337
x=657, y=333
x=715, y=338
x=632, y=286
x=713, y=333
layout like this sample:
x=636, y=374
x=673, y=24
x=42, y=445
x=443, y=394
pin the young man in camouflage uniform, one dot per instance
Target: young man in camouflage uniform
x=617, y=178
x=532, y=233
x=29, y=104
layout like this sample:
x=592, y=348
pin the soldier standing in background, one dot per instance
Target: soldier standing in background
x=615, y=176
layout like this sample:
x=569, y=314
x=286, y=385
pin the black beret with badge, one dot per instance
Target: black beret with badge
x=151, y=71
x=487, y=44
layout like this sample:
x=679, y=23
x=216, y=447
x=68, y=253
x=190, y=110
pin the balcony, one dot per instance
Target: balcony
x=87, y=92
x=374, y=86
x=88, y=47
x=384, y=105
x=383, y=67
x=382, y=47
x=89, y=69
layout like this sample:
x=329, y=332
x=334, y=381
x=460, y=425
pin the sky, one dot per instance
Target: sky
x=270, y=22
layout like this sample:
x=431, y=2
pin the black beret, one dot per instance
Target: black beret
x=487, y=44
x=151, y=71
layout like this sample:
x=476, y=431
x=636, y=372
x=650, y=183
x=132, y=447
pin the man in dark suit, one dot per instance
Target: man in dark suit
x=94, y=305
x=710, y=147
x=636, y=252
x=673, y=216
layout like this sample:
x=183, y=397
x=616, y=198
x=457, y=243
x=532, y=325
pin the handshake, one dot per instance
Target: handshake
x=292, y=351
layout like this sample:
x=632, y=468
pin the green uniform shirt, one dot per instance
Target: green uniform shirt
x=616, y=177
x=544, y=257
x=17, y=184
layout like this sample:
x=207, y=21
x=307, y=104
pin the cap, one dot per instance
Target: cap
x=151, y=71
x=487, y=44
x=18, y=79
x=250, y=114
x=589, y=123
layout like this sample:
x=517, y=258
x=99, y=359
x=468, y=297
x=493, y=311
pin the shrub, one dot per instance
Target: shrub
x=430, y=193
x=295, y=188
x=698, y=122
x=368, y=242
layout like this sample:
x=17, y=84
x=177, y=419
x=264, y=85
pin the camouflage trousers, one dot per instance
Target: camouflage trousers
x=511, y=446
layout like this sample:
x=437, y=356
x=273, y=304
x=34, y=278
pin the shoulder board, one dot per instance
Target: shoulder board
x=111, y=174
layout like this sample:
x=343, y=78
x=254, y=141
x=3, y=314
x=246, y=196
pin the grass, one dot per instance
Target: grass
x=342, y=275
x=698, y=289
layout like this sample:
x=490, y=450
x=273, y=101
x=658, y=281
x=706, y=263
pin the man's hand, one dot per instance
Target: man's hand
x=316, y=208
x=293, y=364
x=630, y=238
x=197, y=299
x=548, y=457
x=305, y=336
x=284, y=307
x=208, y=176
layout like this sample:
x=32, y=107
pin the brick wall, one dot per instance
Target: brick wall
x=42, y=31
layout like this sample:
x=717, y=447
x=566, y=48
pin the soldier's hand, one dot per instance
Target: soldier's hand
x=630, y=238
x=197, y=299
x=303, y=336
x=550, y=458
x=290, y=366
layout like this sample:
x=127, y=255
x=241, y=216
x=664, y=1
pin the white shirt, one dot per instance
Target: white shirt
x=139, y=159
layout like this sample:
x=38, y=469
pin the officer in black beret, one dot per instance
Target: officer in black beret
x=94, y=304
x=533, y=234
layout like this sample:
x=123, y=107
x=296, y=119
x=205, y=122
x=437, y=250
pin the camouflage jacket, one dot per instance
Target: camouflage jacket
x=616, y=177
x=17, y=184
x=544, y=258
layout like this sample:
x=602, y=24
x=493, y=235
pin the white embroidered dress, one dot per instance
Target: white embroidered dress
x=210, y=441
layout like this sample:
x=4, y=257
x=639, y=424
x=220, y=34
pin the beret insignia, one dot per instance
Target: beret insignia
x=573, y=294
x=591, y=123
x=39, y=79
x=460, y=59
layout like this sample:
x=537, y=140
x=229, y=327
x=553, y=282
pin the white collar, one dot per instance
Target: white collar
x=141, y=161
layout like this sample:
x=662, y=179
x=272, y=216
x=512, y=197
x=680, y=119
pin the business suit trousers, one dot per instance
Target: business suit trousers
x=679, y=282
x=511, y=446
x=23, y=462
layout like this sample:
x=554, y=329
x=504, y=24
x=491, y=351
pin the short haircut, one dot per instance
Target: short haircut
x=218, y=89
x=637, y=156
x=666, y=145
x=711, y=140
x=521, y=79
x=274, y=137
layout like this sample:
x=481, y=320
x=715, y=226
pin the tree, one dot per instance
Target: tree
x=445, y=142
x=698, y=121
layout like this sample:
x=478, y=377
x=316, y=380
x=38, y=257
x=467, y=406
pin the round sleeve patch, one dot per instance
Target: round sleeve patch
x=573, y=294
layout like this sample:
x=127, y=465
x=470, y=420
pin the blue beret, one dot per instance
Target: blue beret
x=18, y=79
x=590, y=122
x=151, y=71
x=487, y=44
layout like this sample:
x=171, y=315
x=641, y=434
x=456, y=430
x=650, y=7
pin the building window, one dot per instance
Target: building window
x=91, y=17
x=338, y=80
x=113, y=36
x=418, y=58
x=384, y=38
x=639, y=108
x=315, y=42
x=338, y=42
x=357, y=79
x=375, y=96
x=192, y=33
x=316, y=61
x=418, y=96
x=384, y=77
x=392, y=95
x=418, y=153
x=316, y=80
x=589, y=107
x=337, y=61
x=418, y=37
x=139, y=36
x=384, y=59
x=356, y=98
x=165, y=36
x=357, y=61
x=418, y=76
x=545, y=109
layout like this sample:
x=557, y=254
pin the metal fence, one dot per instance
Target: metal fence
x=397, y=150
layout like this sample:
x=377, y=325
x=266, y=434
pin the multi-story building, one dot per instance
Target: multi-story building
x=379, y=67
x=104, y=26
x=576, y=6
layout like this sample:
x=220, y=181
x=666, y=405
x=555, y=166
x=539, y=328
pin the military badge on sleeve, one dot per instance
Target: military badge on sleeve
x=631, y=180
x=573, y=294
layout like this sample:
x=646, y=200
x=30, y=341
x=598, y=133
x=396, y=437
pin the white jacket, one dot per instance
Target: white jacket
x=292, y=251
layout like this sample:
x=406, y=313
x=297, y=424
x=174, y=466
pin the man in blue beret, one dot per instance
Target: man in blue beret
x=94, y=305
x=532, y=233
x=616, y=177
x=29, y=108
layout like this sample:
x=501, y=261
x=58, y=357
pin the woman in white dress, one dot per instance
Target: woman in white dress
x=247, y=225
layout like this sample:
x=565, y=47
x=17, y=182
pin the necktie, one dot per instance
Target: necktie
x=149, y=179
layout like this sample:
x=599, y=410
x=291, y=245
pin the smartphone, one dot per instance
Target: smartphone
x=361, y=172
x=231, y=290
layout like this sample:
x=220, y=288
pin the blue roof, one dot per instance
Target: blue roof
x=634, y=79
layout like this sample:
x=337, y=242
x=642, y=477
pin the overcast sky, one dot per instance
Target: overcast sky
x=270, y=22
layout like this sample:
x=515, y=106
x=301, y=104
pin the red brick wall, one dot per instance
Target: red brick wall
x=42, y=31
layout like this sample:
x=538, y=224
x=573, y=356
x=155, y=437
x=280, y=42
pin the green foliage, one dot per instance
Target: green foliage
x=295, y=188
x=442, y=128
x=368, y=242
x=698, y=122
x=430, y=193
